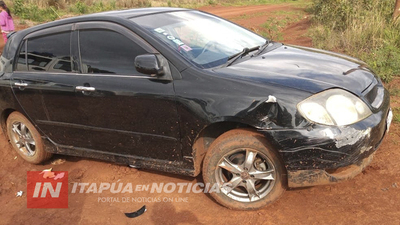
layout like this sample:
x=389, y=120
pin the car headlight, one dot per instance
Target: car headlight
x=334, y=107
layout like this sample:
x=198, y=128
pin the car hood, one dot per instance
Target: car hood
x=308, y=69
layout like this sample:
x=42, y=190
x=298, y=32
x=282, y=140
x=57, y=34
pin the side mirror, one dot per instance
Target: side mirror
x=148, y=64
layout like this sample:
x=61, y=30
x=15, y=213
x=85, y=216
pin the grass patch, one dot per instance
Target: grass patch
x=33, y=12
x=274, y=26
x=360, y=28
x=394, y=91
x=280, y=13
x=250, y=16
x=396, y=114
x=252, y=2
x=49, y=10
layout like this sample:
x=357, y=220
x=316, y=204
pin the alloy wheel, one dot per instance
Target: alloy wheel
x=23, y=139
x=245, y=175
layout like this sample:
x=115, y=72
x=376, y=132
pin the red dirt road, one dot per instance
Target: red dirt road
x=253, y=17
x=372, y=197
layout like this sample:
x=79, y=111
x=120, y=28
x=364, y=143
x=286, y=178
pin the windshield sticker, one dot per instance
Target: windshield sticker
x=171, y=37
x=159, y=30
x=177, y=41
x=186, y=48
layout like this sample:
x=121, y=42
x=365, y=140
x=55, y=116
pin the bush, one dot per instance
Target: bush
x=81, y=7
x=33, y=12
x=48, y=10
x=361, y=28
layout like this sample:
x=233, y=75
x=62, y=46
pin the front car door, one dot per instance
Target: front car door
x=122, y=110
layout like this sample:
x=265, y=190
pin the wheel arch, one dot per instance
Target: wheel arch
x=208, y=135
x=3, y=119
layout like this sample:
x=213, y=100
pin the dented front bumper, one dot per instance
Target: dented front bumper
x=320, y=154
x=305, y=178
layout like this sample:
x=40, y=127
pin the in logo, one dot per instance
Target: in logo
x=47, y=189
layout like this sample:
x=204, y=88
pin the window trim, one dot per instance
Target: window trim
x=48, y=31
x=24, y=45
x=119, y=29
x=74, y=29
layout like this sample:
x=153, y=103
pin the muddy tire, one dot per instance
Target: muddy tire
x=25, y=139
x=249, y=174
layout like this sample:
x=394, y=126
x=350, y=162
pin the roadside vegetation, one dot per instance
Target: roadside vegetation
x=396, y=114
x=278, y=21
x=361, y=28
x=49, y=10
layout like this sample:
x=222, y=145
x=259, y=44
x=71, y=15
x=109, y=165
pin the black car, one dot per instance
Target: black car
x=186, y=92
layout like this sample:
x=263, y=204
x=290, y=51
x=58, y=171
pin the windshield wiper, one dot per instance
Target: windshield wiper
x=263, y=47
x=239, y=55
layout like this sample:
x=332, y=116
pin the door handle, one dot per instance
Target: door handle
x=82, y=88
x=21, y=84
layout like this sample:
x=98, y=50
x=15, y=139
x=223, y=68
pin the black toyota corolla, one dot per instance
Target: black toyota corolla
x=186, y=92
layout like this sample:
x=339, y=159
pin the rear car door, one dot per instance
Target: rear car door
x=42, y=73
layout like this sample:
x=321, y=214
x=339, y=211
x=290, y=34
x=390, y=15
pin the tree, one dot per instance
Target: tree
x=396, y=12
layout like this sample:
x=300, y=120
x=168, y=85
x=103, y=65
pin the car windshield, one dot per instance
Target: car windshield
x=205, y=40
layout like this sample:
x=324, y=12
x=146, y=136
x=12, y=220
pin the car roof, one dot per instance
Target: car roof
x=122, y=14
x=137, y=12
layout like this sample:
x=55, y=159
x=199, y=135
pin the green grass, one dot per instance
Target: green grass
x=394, y=91
x=360, y=28
x=278, y=21
x=273, y=28
x=44, y=11
x=250, y=16
x=396, y=114
x=253, y=2
x=48, y=10
x=297, y=13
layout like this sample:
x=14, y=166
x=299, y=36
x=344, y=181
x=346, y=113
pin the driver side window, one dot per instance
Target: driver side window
x=107, y=52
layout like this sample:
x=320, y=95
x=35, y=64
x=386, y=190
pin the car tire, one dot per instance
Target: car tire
x=259, y=180
x=25, y=139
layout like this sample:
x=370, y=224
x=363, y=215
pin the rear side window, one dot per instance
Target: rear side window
x=50, y=53
x=108, y=52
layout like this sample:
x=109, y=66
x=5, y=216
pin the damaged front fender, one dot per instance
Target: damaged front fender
x=311, y=153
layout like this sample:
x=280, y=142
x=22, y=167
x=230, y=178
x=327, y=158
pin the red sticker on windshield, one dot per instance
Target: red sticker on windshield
x=186, y=48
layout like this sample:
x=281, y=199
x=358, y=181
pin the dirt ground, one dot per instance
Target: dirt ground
x=372, y=197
